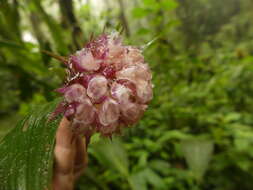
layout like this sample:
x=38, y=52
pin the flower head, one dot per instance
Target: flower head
x=108, y=86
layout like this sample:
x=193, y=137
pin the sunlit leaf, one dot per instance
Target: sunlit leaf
x=139, y=12
x=169, y=4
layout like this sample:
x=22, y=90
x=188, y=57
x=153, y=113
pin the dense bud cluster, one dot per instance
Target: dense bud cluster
x=108, y=86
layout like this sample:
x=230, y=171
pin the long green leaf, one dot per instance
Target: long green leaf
x=26, y=159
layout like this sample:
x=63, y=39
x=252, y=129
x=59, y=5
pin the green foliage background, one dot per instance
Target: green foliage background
x=198, y=131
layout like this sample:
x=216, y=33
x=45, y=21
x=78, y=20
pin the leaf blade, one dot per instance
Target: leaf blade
x=27, y=151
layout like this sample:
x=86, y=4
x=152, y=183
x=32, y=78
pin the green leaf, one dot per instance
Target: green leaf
x=173, y=134
x=149, y=2
x=111, y=154
x=139, y=12
x=231, y=117
x=27, y=152
x=94, y=138
x=197, y=153
x=169, y=4
x=154, y=179
x=143, y=31
x=160, y=166
x=8, y=44
x=138, y=181
x=54, y=28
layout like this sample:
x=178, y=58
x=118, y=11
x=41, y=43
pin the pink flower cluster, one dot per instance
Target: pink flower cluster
x=108, y=86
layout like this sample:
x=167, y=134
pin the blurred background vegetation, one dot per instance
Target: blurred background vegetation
x=198, y=131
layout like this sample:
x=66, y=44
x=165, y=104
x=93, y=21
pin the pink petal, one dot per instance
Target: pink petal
x=134, y=55
x=115, y=50
x=88, y=62
x=127, y=73
x=84, y=80
x=131, y=112
x=109, y=129
x=144, y=91
x=135, y=72
x=97, y=87
x=99, y=47
x=75, y=60
x=70, y=111
x=85, y=112
x=108, y=112
x=83, y=61
x=62, y=90
x=121, y=93
x=129, y=84
x=143, y=72
x=75, y=93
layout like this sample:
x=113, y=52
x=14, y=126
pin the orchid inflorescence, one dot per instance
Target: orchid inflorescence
x=108, y=86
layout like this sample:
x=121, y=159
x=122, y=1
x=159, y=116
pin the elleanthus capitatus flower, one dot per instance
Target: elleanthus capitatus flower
x=108, y=86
